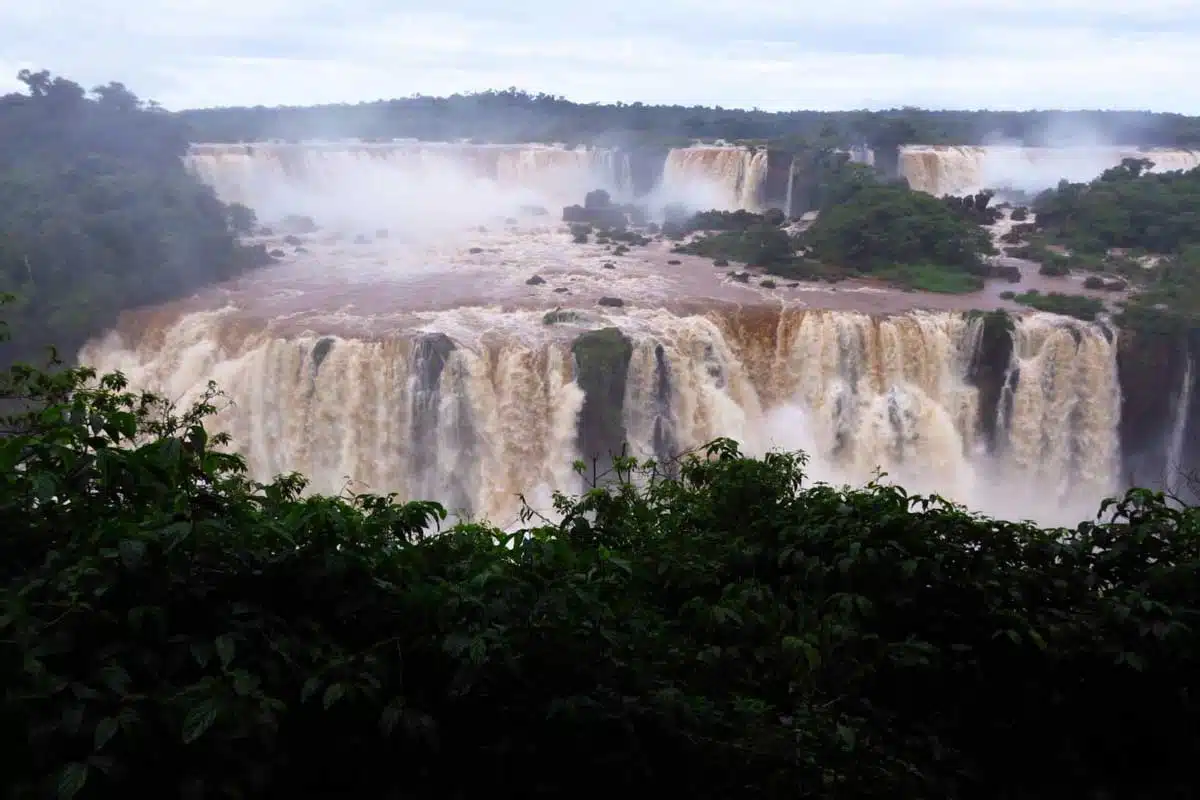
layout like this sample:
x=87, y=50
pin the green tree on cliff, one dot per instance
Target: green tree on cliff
x=98, y=213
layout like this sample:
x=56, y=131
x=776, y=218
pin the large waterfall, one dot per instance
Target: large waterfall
x=961, y=170
x=701, y=176
x=727, y=178
x=475, y=363
x=267, y=175
x=477, y=419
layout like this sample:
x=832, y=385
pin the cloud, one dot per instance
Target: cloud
x=736, y=53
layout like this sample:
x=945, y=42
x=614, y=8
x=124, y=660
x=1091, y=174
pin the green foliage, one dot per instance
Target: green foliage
x=168, y=626
x=880, y=227
x=823, y=178
x=758, y=246
x=1071, y=305
x=886, y=230
x=1055, y=266
x=98, y=213
x=1126, y=207
x=1129, y=211
x=931, y=278
x=975, y=207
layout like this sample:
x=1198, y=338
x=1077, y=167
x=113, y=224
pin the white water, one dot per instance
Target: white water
x=943, y=170
x=725, y=178
x=858, y=393
x=282, y=178
x=1174, y=477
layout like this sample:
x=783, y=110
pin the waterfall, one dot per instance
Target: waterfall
x=791, y=182
x=265, y=176
x=1173, y=473
x=726, y=178
x=475, y=420
x=961, y=170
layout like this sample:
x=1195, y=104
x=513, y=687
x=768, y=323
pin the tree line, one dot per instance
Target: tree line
x=512, y=116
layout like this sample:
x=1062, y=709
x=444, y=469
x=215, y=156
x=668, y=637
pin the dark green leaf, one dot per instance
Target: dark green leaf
x=133, y=552
x=198, y=720
x=105, y=730
x=309, y=689
x=225, y=649
x=71, y=780
x=115, y=678
x=332, y=694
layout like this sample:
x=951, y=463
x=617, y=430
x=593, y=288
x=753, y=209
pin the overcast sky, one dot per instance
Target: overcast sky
x=771, y=54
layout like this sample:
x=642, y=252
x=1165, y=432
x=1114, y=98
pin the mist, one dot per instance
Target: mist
x=425, y=192
x=1063, y=147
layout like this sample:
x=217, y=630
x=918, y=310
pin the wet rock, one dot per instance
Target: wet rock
x=1008, y=272
x=674, y=262
x=562, y=290
x=320, y=351
x=741, y=277
x=475, y=251
x=558, y=315
x=536, y=280
x=277, y=253
x=601, y=368
x=768, y=284
x=608, y=265
x=301, y=250
x=989, y=368
x=611, y=302
x=292, y=240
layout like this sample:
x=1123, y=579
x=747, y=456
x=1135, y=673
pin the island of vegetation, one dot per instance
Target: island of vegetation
x=1127, y=229
x=715, y=627
x=865, y=227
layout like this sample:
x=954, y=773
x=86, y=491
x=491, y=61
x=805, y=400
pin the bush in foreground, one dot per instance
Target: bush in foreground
x=170, y=627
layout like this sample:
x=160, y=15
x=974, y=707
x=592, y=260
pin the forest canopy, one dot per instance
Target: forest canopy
x=98, y=213
x=1143, y=226
x=512, y=115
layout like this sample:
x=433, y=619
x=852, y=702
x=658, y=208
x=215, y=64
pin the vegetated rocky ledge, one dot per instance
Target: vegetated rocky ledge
x=813, y=247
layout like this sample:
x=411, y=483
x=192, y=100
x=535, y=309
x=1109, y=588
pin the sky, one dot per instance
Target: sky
x=776, y=55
